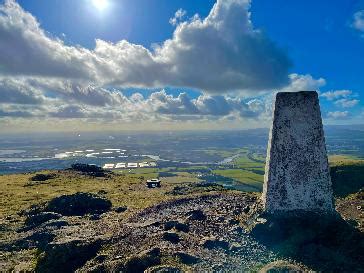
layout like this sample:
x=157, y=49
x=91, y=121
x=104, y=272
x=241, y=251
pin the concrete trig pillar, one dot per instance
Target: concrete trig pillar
x=297, y=173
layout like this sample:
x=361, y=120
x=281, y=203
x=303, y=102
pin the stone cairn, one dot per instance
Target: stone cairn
x=297, y=176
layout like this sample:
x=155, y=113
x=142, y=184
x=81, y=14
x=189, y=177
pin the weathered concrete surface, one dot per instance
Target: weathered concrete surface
x=297, y=173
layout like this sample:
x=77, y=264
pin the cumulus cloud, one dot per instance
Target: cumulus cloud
x=358, y=20
x=180, y=13
x=12, y=91
x=303, y=83
x=338, y=114
x=222, y=52
x=204, y=105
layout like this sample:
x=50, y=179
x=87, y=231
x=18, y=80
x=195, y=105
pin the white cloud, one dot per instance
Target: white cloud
x=303, y=83
x=220, y=53
x=12, y=91
x=338, y=114
x=178, y=16
x=358, y=20
x=333, y=95
x=347, y=103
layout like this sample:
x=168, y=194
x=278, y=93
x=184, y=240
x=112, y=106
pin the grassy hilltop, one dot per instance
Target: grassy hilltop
x=131, y=199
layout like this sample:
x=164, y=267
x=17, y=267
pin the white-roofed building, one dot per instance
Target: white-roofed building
x=120, y=165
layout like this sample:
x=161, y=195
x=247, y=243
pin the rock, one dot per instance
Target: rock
x=78, y=204
x=196, y=215
x=143, y=261
x=171, y=237
x=212, y=243
x=187, y=258
x=40, y=218
x=120, y=209
x=176, y=225
x=67, y=256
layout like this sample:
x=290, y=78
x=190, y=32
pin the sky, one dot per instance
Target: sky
x=91, y=65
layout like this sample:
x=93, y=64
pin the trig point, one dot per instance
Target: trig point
x=297, y=173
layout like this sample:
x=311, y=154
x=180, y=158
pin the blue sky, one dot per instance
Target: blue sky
x=301, y=45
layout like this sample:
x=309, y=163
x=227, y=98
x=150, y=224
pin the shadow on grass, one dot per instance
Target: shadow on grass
x=322, y=242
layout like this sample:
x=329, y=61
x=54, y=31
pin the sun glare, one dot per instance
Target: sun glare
x=100, y=4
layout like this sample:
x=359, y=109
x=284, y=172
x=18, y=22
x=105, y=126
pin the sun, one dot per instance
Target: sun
x=100, y=4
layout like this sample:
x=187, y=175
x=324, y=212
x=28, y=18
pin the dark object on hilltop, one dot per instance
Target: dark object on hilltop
x=78, y=204
x=153, y=183
x=40, y=177
x=91, y=170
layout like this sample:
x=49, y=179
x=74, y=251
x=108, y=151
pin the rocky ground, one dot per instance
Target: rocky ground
x=219, y=232
x=215, y=230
